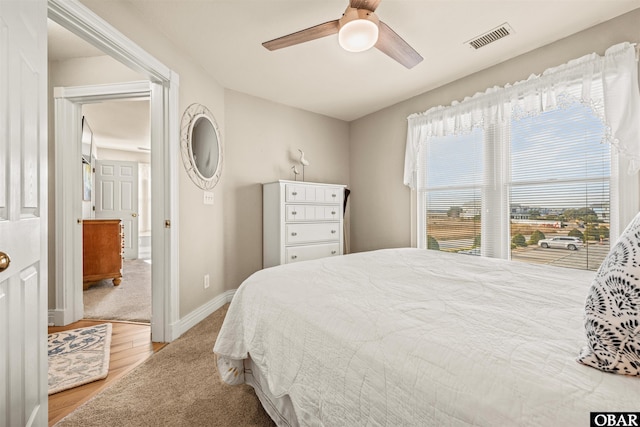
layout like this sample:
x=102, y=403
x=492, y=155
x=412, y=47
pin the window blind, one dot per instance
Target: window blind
x=559, y=187
x=453, y=178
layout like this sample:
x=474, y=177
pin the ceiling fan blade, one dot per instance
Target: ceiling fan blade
x=393, y=45
x=371, y=5
x=319, y=31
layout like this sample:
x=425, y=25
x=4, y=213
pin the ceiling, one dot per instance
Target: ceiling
x=120, y=125
x=63, y=44
x=225, y=36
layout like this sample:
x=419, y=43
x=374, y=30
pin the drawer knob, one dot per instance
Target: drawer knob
x=333, y=231
x=295, y=193
x=294, y=256
x=294, y=213
x=333, y=212
x=294, y=234
x=333, y=252
x=333, y=195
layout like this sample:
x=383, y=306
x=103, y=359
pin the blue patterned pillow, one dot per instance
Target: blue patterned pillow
x=612, y=311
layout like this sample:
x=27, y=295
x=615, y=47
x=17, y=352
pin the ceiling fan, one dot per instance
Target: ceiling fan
x=358, y=29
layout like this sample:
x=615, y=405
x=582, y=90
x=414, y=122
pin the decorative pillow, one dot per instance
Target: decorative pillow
x=612, y=311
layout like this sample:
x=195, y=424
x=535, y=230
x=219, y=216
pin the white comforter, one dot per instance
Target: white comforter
x=421, y=338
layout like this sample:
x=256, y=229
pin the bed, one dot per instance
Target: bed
x=408, y=337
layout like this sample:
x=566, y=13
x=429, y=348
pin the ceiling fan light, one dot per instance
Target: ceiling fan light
x=358, y=35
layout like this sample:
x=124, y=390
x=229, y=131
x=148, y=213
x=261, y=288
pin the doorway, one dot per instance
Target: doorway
x=116, y=150
x=162, y=91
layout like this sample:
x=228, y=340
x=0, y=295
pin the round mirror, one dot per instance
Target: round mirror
x=201, y=146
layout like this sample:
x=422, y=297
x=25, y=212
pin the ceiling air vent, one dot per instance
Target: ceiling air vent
x=489, y=37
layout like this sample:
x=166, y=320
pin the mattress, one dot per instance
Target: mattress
x=414, y=337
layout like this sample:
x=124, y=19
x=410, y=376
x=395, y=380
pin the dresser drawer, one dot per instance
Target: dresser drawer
x=305, y=253
x=305, y=233
x=312, y=213
x=332, y=212
x=333, y=195
x=313, y=193
x=301, y=193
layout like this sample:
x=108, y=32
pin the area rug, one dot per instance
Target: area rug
x=130, y=301
x=78, y=356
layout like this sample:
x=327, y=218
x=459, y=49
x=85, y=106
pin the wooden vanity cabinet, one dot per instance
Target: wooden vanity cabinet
x=102, y=250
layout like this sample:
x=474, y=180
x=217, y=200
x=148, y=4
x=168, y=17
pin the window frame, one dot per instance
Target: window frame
x=501, y=247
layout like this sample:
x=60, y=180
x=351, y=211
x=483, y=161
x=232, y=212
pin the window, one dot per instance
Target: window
x=452, y=196
x=528, y=172
x=559, y=186
x=556, y=184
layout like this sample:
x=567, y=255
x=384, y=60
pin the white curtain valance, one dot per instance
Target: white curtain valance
x=619, y=106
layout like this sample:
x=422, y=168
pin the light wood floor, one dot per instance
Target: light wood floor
x=130, y=345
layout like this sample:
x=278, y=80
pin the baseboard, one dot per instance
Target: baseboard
x=51, y=315
x=201, y=313
x=57, y=317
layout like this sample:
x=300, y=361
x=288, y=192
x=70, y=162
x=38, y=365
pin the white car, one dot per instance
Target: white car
x=562, y=242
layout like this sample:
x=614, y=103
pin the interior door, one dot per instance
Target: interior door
x=23, y=213
x=117, y=197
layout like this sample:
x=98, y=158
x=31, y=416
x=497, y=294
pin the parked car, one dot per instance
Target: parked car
x=562, y=242
x=474, y=251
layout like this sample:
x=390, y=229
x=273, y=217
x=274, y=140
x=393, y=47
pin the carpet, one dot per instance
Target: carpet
x=177, y=386
x=78, y=356
x=130, y=301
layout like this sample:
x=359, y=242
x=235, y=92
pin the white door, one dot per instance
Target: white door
x=117, y=197
x=23, y=213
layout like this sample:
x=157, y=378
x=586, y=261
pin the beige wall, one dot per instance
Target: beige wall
x=380, y=209
x=262, y=144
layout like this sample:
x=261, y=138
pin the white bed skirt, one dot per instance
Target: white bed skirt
x=280, y=409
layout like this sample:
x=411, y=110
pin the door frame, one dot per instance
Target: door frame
x=162, y=91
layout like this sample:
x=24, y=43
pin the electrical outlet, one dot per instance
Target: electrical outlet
x=208, y=198
x=206, y=281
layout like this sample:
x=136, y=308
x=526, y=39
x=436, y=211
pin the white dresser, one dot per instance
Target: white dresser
x=301, y=221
